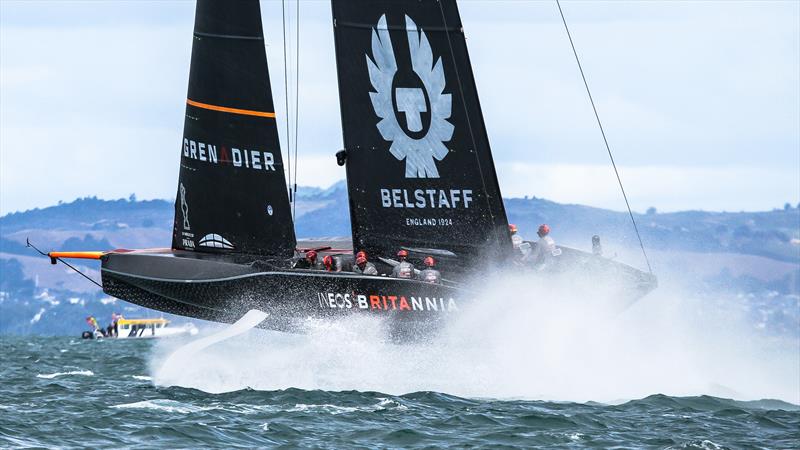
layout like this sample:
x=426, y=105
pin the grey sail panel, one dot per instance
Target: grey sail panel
x=419, y=167
x=232, y=193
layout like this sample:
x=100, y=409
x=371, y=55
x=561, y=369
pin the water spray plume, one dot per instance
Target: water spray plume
x=516, y=342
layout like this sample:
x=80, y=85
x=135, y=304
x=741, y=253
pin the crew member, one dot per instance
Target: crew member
x=545, y=247
x=516, y=239
x=309, y=262
x=404, y=269
x=522, y=249
x=329, y=263
x=358, y=255
x=429, y=273
x=364, y=266
x=597, y=248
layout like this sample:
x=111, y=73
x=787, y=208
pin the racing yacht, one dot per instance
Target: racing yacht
x=420, y=177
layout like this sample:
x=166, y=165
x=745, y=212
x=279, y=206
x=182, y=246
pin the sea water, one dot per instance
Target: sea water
x=539, y=369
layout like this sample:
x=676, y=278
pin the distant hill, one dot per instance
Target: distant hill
x=756, y=250
x=91, y=214
x=774, y=234
x=324, y=212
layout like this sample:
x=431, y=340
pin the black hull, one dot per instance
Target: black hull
x=213, y=289
x=222, y=288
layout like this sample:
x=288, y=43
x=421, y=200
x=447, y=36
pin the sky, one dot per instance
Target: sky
x=700, y=100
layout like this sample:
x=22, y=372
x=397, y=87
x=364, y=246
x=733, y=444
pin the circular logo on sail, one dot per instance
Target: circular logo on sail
x=412, y=105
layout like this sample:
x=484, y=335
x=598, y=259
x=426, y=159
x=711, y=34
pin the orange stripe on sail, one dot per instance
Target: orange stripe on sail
x=246, y=112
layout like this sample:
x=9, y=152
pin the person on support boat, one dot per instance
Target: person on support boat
x=115, y=318
x=429, y=274
x=364, y=266
x=95, y=326
x=309, y=262
x=404, y=269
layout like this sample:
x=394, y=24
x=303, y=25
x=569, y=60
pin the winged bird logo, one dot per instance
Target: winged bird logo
x=419, y=152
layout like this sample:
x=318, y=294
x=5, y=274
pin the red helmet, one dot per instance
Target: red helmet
x=361, y=260
x=512, y=228
x=311, y=255
x=429, y=261
x=328, y=261
x=544, y=230
x=402, y=253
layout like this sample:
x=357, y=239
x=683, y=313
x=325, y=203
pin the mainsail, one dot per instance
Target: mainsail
x=232, y=193
x=419, y=168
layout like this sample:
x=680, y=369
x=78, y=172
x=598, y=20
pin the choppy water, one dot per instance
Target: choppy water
x=71, y=393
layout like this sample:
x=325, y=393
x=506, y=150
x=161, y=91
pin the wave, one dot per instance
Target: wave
x=50, y=376
x=383, y=404
x=165, y=405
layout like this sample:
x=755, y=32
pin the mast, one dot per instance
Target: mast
x=232, y=193
x=420, y=172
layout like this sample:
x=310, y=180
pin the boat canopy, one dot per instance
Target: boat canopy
x=232, y=194
x=142, y=321
x=420, y=172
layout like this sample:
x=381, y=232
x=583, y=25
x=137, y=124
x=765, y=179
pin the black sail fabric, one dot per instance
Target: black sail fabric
x=419, y=168
x=232, y=194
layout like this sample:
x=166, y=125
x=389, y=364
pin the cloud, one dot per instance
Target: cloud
x=40, y=166
x=97, y=92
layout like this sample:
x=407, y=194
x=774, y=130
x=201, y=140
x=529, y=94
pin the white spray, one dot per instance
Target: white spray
x=518, y=341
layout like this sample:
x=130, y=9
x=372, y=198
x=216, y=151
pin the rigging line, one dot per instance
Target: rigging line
x=286, y=102
x=296, y=102
x=608, y=148
x=28, y=244
x=80, y=273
